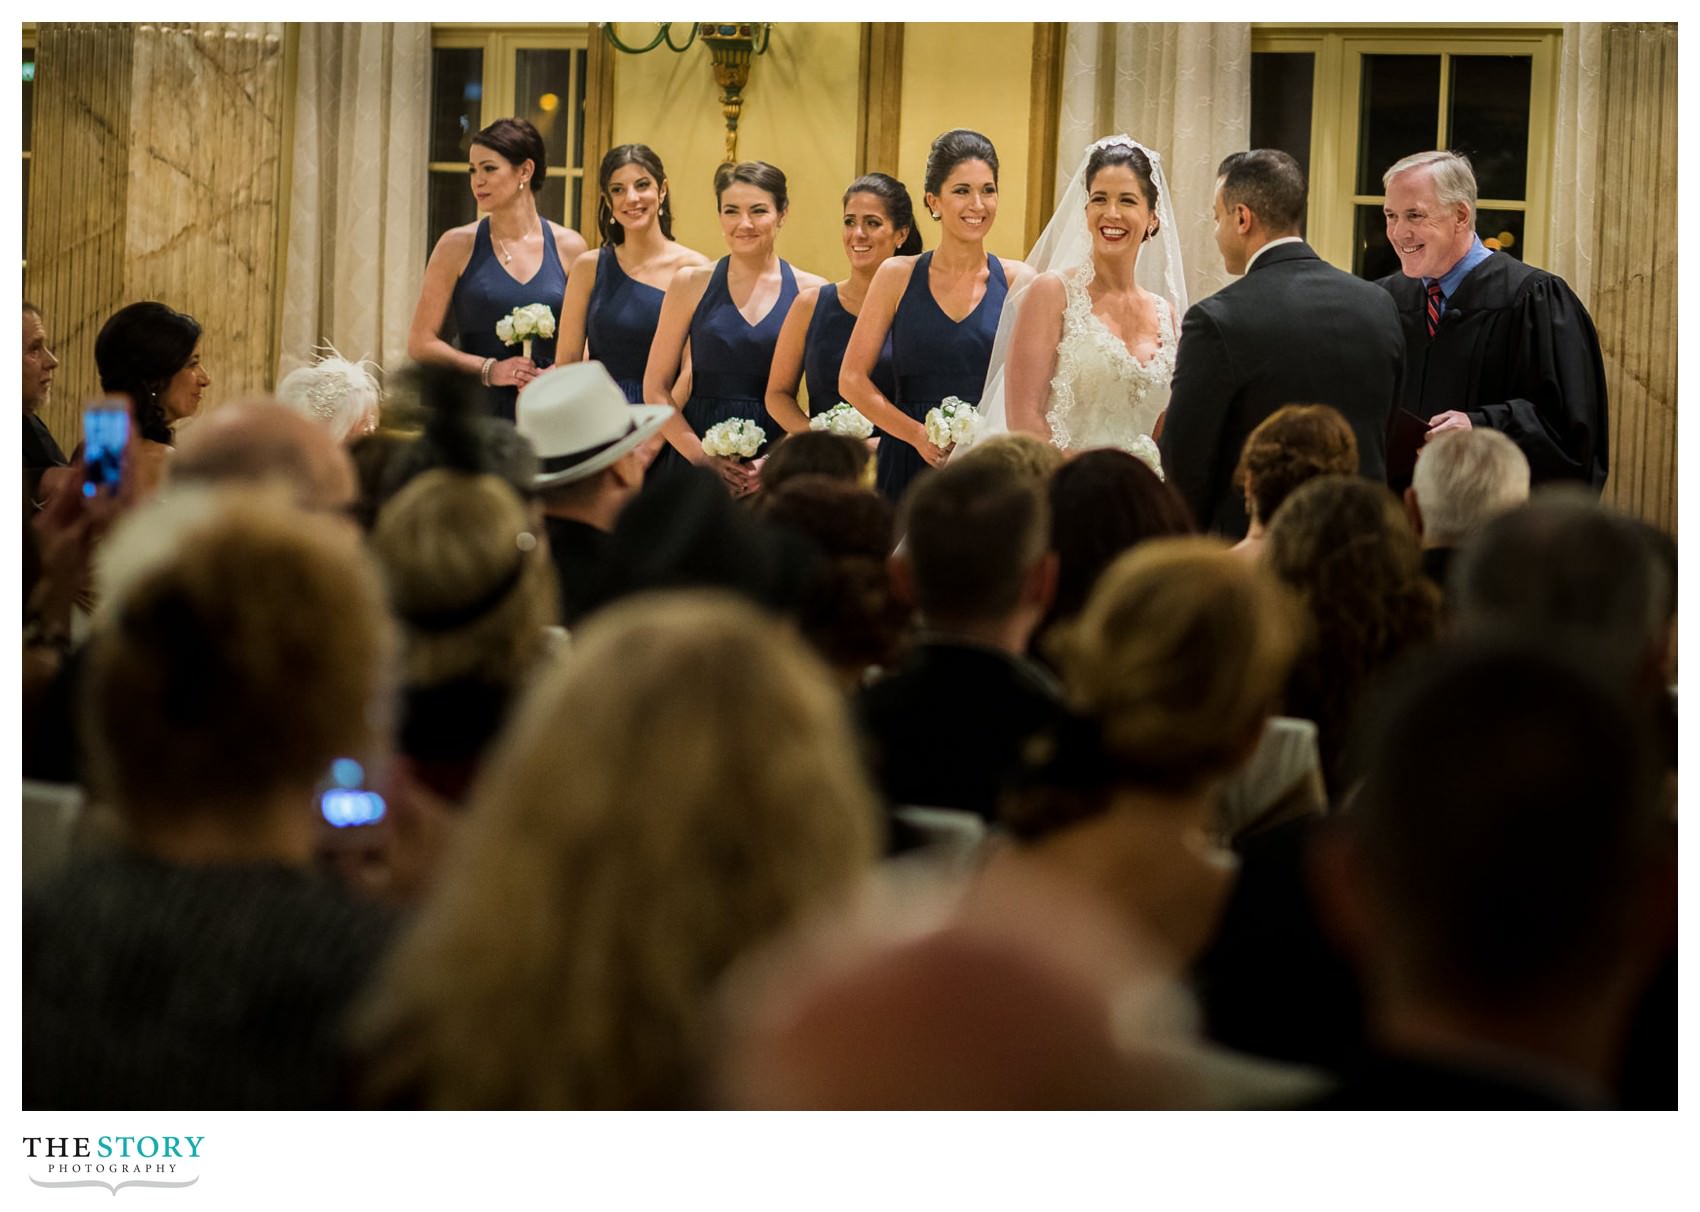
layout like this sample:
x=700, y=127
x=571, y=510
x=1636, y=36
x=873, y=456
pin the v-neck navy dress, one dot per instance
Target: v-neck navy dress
x=621, y=322
x=823, y=352
x=933, y=357
x=486, y=291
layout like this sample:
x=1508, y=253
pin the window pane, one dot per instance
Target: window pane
x=541, y=96
x=1490, y=120
x=1399, y=107
x=450, y=205
x=457, y=100
x=581, y=65
x=1501, y=229
x=29, y=93
x=1372, y=256
x=552, y=200
x=1281, y=88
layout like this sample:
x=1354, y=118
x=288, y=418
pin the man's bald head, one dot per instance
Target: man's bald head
x=259, y=441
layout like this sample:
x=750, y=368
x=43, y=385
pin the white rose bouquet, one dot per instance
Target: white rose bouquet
x=1145, y=448
x=843, y=418
x=525, y=323
x=735, y=439
x=951, y=421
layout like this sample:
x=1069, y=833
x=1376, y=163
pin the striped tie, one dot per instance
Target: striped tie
x=1433, y=307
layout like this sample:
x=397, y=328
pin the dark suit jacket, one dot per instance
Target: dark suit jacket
x=1294, y=330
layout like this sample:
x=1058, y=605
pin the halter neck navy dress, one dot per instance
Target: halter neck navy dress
x=621, y=321
x=823, y=353
x=730, y=359
x=934, y=357
x=485, y=292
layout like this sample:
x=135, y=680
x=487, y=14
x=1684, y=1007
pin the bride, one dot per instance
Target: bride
x=1084, y=355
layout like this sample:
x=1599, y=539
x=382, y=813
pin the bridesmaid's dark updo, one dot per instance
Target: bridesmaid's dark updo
x=898, y=208
x=516, y=141
x=616, y=159
x=137, y=353
x=759, y=173
x=1114, y=154
x=952, y=148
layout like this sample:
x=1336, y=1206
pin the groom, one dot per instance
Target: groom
x=1293, y=330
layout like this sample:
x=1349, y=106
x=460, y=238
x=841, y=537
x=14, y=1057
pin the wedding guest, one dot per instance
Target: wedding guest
x=613, y=300
x=731, y=315
x=1491, y=342
x=341, y=395
x=1508, y=984
x=948, y=724
x=589, y=443
x=1021, y=454
x=813, y=453
x=879, y=223
x=939, y=310
x=1463, y=478
x=201, y=963
x=568, y=956
x=254, y=442
x=481, y=272
x=152, y=354
x=454, y=435
x=41, y=451
x=1343, y=545
x=1295, y=443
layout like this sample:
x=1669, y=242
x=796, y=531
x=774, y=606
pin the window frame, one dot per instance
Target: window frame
x=1335, y=110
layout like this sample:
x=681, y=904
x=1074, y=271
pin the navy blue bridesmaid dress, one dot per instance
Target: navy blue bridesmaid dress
x=934, y=357
x=823, y=353
x=486, y=291
x=621, y=321
x=730, y=360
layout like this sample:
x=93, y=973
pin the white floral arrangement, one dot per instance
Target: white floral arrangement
x=1144, y=448
x=843, y=418
x=735, y=439
x=526, y=323
x=951, y=421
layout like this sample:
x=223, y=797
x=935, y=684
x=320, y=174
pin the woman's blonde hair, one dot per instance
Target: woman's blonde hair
x=681, y=787
x=1180, y=654
x=469, y=577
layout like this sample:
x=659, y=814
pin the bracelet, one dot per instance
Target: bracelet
x=484, y=371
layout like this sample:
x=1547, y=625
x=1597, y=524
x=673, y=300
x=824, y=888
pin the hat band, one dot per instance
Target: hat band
x=555, y=463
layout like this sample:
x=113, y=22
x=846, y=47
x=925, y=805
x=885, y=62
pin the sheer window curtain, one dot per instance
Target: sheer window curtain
x=1181, y=88
x=357, y=199
x=1576, y=159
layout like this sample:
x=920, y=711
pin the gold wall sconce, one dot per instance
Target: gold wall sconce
x=731, y=46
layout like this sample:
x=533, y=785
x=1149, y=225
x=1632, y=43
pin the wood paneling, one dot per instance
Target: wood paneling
x=880, y=105
x=1049, y=40
x=598, y=127
x=1635, y=274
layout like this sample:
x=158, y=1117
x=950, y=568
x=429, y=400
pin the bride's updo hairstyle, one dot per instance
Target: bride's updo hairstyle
x=616, y=159
x=953, y=148
x=1112, y=154
x=898, y=206
x=759, y=173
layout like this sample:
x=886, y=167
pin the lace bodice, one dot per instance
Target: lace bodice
x=1101, y=395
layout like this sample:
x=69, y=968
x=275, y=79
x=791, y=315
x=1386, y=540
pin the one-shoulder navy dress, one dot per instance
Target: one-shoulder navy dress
x=730, y=360
x=823, y=353
x=485, y=292
x=621, y=321
x=934, y=357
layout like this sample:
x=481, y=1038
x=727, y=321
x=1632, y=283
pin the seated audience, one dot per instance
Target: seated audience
x=587, y=440
x=1343, y=544
x=683, y=787
x=1103, y=502
x=342, y=396
x=1508, y=898
x=202, y=964
x=41, y=450
x=1295, y=443
x=1022, y=454
x=818, y=453
x=1463, y=478
x=455, y=434
x=947, y=725
x=152, y=355
x=848, y=613
x=255, y=442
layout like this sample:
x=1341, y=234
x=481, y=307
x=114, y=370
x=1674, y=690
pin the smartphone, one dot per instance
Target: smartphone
x=106, y=434
x=345, y=804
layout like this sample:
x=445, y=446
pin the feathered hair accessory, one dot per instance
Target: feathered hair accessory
x=338, y=393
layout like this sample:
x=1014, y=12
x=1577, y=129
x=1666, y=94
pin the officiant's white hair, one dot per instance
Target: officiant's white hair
x=1454, y=179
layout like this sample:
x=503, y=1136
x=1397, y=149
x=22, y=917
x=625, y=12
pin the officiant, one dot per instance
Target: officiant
x=1489, y=340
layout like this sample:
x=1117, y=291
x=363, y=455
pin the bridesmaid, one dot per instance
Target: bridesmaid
x=614, y=293
x=481, y=271
x=879, y=223
x=940, y=310
x=731, y=315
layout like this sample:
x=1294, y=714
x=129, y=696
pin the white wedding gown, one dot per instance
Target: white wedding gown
x=1101, y=395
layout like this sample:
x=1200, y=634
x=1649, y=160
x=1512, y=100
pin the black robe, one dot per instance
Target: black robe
x=1517, y=352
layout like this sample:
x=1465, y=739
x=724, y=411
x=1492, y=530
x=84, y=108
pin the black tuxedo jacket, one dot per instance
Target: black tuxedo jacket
x=1294, y=330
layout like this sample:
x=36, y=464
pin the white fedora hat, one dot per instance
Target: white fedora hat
x=578, y=420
